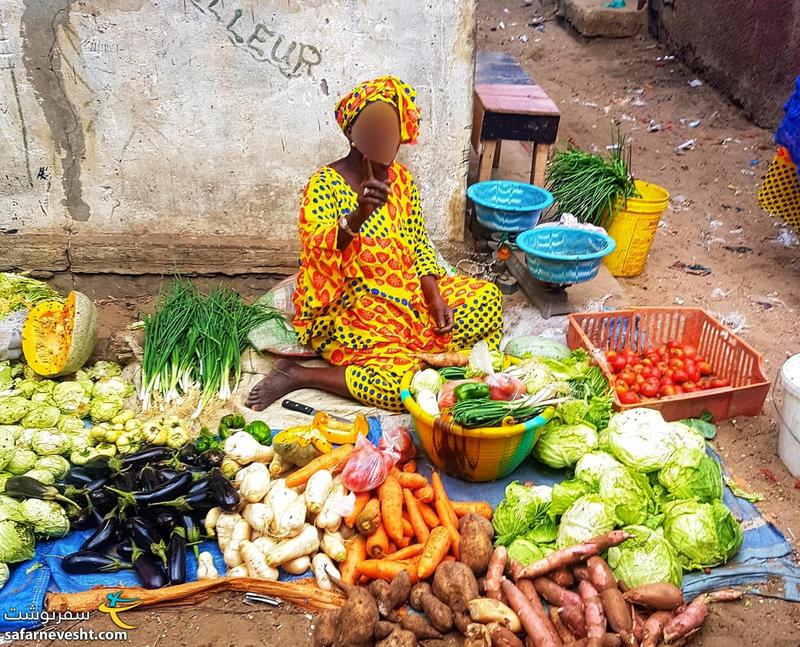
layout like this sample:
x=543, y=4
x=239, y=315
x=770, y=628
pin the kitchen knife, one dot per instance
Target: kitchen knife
x=291, y=405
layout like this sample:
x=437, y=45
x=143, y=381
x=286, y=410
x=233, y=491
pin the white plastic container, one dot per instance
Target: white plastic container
x=789, y=432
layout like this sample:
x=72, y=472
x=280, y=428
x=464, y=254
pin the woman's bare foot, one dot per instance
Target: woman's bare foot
x=277, y=383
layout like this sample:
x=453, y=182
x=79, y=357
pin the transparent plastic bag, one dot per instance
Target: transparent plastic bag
x=368, y=466
x=11, y=335
x=397, y=437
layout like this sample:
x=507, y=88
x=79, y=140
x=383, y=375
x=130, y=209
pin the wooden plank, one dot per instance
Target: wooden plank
x=496, y=160
x=487, y=158
x=525, y=100
x=499, y=67
x=539, y=163
x=477, y=123
x=528, y=128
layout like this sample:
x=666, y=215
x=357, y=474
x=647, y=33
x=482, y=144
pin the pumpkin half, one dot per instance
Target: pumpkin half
x=57, y=337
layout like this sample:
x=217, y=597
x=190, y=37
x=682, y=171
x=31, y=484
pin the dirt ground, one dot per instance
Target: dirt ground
x=713, y=221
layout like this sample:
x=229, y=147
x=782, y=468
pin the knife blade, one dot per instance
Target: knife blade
x=298, y=407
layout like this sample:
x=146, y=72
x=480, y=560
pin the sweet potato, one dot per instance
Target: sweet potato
x=455, y=585
x=461, y=621
x=370, y=518
x=399, y=638
x=563, y=578
x=688, y=621
x=357, y=616
x=653, y=628
x=537, y=625
x=325, y=628
x=610, y=640
x=494, y=573
x=561, y=629
x=476, y=635
x=555, y=594
x=724, y=595
x=617, y=611
x=438, y=613
x=573, y=618
x=571, y=555
x=383, y=628
x=502, y=636
x=661, y=596
x=419, y=626
x=486, y=610
x=476, y=543
x=396, y=594
x=592, y=612
x=580, y=572
x=600, y=574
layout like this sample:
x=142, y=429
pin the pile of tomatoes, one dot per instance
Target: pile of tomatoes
x=671, y=369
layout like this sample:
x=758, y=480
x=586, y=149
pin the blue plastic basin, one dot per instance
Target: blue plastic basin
x=503, y=205
x=562, y=255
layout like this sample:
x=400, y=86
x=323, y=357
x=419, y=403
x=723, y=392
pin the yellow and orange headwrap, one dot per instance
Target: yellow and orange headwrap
x=388, y=89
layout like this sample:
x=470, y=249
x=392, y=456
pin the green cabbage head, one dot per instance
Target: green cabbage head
x=641, y=439
x=17, y=543
x=116, y=388
x=703, y=534
x=41, y=416
x=562, y=445
x=565, y=494
x=13, y=408
x=691, y=473
x=587, y=518
x=527, y=551
x=22, y=461
x=70, y=398
x=524, y=511
x=102, y=410
x=6, y=447
x=644, y=558
x=50, y=441
x=47, y=517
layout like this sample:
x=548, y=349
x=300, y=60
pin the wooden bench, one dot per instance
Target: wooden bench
x=510, y=106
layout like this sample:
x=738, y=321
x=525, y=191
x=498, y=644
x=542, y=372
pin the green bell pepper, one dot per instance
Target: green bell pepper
x=260, y=431
x=233, y=421
x=471, y=391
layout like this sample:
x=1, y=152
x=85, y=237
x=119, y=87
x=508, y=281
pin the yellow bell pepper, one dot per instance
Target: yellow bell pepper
x=340, y=433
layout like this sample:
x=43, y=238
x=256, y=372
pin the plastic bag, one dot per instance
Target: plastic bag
x=11, y=335
x=505, y=387
x=446, y=397
x=277, y=336
x=397, y=437
x=368, y=466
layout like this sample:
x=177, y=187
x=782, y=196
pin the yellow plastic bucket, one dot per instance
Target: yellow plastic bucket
x=633, y=229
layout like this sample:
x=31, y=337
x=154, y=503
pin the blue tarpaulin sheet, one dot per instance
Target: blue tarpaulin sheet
x=765, y=554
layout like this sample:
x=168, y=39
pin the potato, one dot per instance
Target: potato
x=357, y=618
x=475, y=549
x=477, y=635
x=502, y=636
x=486, y=610
x=383, y=629
x=487, y=526
x=419, y=626
x=462, y=621
x=325, y=628
x=454, y=584
x=399, y=638
x=438, y=613
x=395, y=595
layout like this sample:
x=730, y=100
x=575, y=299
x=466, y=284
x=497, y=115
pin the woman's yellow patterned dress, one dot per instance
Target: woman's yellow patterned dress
x=363, y=307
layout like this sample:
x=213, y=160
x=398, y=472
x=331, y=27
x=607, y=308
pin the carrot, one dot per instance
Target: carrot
x=494, y=573
x=391, y=496
x=405, y=540
x=439, y=494
x=333, y=461
x=410, y=466
x=378, y=543
x=413, y=481
x=406, y=553
x=424, y=494
x=436, y=548
x=448, y=558
x=384, y=569
x=430, y=517
x=392, y=548
x=421, y=531
x=408, y=529
x=483, y=508
x=356, y=553
x=370, y=517
x=444, y=517
x=362, y=498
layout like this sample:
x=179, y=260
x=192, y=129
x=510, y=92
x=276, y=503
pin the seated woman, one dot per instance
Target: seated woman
x=370, y=294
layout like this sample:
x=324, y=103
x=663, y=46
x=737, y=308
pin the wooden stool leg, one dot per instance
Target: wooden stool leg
x=487, y=159
x=539, y=163
x=496, y=161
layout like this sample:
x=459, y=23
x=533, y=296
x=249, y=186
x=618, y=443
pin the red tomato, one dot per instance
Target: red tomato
x=640, y=379
x=662, y=366
x=636, y=388
x=656, y=373
x=704, y=368
x=667, y=390
x=675, y=362
x=694, y=374
x=689, y=386
x=619, y=363
x=689, y=350
x=673, y=344
x=611, y=354
x=667, y=381
x=720, y=382
x=647, y=362
x=649, y=390
x=676, y=352
x=628, y=377
x=655, y=358
x=679, y=390
x=679, y=375
x=629, y=398
x=621, y=388
x=647, y=372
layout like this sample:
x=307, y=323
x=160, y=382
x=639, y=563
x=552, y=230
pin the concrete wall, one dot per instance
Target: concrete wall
x=140, y=136
x=748, y=49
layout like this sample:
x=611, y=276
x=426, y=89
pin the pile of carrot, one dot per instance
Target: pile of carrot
x=406, y=524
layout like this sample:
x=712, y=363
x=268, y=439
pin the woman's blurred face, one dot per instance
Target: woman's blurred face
x=376, y=132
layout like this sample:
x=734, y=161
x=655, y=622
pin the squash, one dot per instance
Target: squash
x=57, y=337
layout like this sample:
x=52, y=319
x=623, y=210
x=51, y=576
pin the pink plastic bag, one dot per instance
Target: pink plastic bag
x=368, y=466
x=398, y=438
x=446, y=396
x=505, y=387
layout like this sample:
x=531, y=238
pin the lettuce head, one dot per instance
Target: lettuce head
x=703, y=534
x=524, y=511
x=644, y=558
x=587, y=518
x=641, y=439
x=562, y=445
x=691, y=473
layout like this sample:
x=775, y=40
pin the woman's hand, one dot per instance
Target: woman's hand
x=372, y=193
x=438, y=309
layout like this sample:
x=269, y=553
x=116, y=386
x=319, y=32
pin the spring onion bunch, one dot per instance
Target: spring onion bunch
x=194, y=342
x=489, y=413
x=589, y=186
